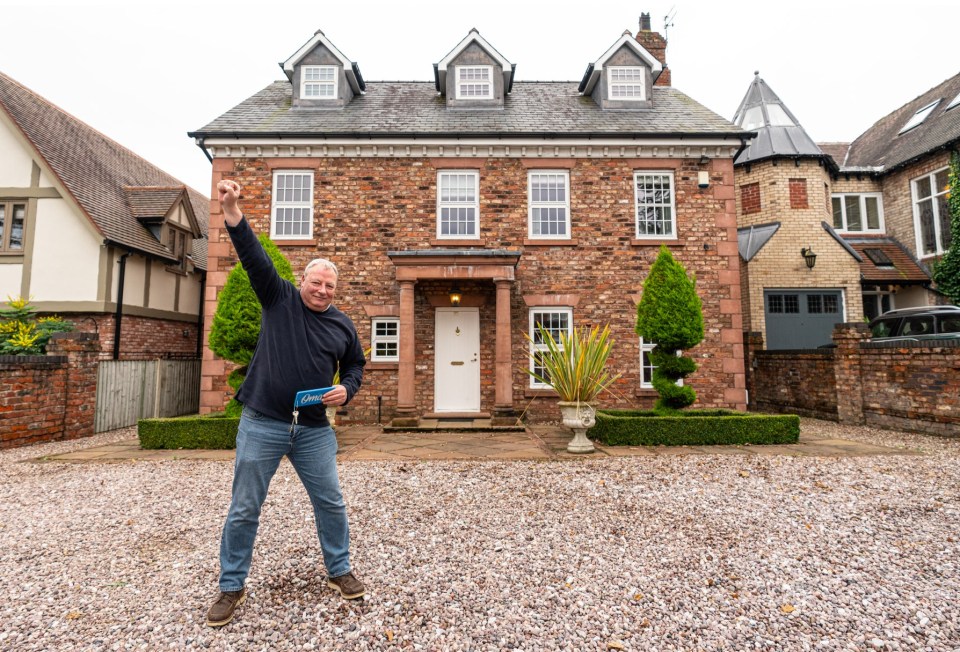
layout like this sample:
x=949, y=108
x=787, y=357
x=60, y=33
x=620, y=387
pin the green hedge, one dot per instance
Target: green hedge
x=693, y=428
x=214, y=431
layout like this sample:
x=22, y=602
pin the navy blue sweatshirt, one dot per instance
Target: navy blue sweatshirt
x=298, y=348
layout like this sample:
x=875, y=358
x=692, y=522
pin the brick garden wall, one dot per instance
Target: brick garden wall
x=141, y=338
x=900, y=385
x=49, y=398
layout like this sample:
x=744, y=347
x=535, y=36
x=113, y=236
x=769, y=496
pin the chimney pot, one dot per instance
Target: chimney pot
x=644, y=22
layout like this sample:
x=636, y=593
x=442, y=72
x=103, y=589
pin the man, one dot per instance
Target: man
x=303, y=341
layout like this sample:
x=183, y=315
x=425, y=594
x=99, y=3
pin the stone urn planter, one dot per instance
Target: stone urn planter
x=579, y=417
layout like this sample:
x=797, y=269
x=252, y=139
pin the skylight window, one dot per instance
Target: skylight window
x=920, y=116
x=955, y=102
x=778, y=117
x=879, y=257
x=752, y=118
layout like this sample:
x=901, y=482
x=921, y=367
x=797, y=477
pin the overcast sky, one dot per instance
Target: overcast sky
x=146, y=73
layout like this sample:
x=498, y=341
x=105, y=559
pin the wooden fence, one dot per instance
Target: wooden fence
x=129, y=390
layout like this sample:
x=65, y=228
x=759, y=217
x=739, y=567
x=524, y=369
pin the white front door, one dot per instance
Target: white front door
x=457, y=362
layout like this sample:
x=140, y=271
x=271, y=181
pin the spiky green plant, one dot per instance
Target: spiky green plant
x=575, y=367
x=23, y=333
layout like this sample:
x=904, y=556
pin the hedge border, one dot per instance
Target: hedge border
x=693, y=428
x=214, y=432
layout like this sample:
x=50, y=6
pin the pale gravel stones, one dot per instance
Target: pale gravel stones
x=648, y=553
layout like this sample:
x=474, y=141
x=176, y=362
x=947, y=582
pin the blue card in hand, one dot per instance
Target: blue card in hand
x=310, y=396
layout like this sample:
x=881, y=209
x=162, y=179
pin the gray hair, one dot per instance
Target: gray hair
x=321, y=262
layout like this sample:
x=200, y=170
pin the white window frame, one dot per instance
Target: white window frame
x=307, y=80
x=278, y=204
x=671, y=205
x=917, y=118
x=953, y=103
x=10, y=214
x=466, y=79
x=458, y=204
x=532, y=330
x=376, y=338
x=559, y=205
x=645, y=349
x=636, y=88
x=842, y=196
x=915, y=201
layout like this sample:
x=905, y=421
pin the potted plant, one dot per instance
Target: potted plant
x=575, y=367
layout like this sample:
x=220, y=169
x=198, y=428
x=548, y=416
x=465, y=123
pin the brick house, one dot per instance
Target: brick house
x=873, y=212
x=93, y=232
x=464, y=211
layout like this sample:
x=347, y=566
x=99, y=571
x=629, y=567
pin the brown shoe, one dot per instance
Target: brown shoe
x=349, y=586
x=222, y=610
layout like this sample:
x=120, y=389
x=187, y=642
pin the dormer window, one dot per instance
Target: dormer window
x=627, y=82
x=318, y=82
x=919, y=116
x=475, y=82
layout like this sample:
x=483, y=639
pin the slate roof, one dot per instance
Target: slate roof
x=773, y=140
x=407, y=109
x=836, y=151
x=95, y=170
x=904, y=268
x=884, y=145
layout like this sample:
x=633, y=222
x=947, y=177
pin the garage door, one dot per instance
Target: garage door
x=801, y=319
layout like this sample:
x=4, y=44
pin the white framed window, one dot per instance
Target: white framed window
x=458, y=204
x=858, y=212
x=627, y=83
x=318, y=82
x=931, y=215
x=385, y=336
x=555, y=321
x=549, y=204
x=475, y=82
x=292, y=210
x=654, y=196
x=646, y=367
x=919, y=116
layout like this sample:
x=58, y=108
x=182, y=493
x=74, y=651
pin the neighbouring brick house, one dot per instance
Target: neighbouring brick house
x=873, y=212
x=93, y=232
x=464, y=211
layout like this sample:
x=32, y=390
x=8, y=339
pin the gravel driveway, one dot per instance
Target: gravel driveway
x=710, y=552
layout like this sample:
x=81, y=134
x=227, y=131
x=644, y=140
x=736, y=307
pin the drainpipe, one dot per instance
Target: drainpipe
x=203, y=289
x=119, y=314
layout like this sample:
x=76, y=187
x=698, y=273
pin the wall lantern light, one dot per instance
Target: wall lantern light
x=809, y=257
x=455, y=295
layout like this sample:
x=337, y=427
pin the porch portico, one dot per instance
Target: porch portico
x=493, y=265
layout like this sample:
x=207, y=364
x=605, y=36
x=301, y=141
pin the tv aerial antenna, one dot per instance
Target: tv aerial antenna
x=668, y=21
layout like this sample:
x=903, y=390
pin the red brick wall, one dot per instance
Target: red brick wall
x=750, y=198
x=48, y=398
x=907, y=386
x=367, y=207
x=141, y=338
x=798, y=193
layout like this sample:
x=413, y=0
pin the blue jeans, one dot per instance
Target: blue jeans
x=261, y=444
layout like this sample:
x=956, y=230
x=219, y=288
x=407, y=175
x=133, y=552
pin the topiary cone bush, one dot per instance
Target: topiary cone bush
x=670, y=314
x=236, y=323
x=946, y=272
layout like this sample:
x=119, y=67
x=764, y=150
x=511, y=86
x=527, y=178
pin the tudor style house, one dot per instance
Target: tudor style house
x=839, y=232
x=465, y=211
x=93, y=232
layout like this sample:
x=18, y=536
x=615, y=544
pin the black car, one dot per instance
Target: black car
x=923, y=323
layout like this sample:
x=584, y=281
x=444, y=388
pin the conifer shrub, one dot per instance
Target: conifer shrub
x=670, y=314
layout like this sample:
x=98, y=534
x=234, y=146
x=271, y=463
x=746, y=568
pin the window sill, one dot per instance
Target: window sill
x=295, y=243
x=381, y=366
x=437, y=242
x=645, y=392
x=10, y=257
x=531, y=242
x=529, y=392
x=642, y=242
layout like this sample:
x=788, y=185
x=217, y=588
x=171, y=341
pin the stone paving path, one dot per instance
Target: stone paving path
x=536, y=442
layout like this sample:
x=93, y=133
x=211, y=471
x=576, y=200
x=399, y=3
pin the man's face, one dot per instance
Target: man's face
x=317, y=288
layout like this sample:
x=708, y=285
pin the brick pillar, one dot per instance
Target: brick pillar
x=406, y=381
x=752, y=342
x=846, y=365
x=503, y=412
x=80, y=397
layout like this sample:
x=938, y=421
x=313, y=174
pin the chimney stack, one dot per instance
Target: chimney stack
x=656, y=45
